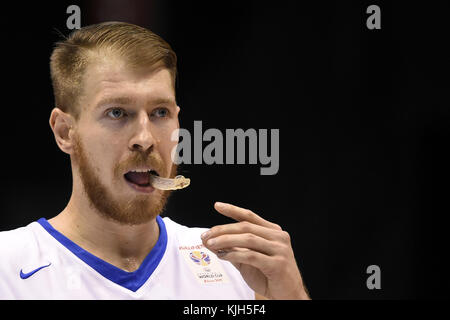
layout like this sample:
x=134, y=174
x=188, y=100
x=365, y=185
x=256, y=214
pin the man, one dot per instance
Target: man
x=115, y=112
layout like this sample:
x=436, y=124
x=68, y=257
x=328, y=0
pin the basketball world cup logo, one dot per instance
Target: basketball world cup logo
x=200, y=258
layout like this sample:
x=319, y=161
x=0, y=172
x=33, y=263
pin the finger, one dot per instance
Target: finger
x=241, y=214
x=246, y=241
x=243, y=227
x=260, y=261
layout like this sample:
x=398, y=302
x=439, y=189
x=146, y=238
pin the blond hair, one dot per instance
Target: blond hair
x=139, y=47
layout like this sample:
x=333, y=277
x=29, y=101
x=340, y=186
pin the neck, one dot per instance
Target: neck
x=123, y=246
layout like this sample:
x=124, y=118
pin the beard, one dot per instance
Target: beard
x=133, y=210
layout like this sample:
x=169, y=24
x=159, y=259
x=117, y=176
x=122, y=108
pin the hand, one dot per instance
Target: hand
x=260, y=250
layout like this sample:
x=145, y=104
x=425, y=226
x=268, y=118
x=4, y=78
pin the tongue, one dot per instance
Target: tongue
x=140, y=178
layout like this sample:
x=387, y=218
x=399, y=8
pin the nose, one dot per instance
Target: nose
x=142, y=139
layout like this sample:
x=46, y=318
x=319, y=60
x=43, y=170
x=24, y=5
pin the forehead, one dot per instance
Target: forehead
x=110, y=76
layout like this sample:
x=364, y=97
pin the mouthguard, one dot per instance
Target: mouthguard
x=179, y=182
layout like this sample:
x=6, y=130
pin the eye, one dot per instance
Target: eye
x=116, y=113
x=161, y=112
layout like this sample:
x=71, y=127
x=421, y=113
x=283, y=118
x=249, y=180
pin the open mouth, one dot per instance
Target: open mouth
x=140, y=178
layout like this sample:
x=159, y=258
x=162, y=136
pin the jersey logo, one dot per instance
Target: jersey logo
x=200, y=258
x=29, y=274
x=203, y=264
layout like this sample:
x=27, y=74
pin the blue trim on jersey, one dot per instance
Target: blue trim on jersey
x=130, y=280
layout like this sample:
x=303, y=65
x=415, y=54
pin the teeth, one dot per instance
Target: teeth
x=141, y=170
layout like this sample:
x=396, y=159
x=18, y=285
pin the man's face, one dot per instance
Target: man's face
x=125, y=125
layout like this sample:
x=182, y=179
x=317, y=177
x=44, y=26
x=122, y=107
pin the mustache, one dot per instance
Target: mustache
x=140, y=159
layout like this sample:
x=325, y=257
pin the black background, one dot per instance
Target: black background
x=363, y=118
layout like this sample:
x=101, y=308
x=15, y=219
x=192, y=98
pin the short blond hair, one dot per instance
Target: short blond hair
x=139, y=47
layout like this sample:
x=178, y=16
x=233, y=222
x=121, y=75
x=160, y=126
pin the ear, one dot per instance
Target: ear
x=62, y=125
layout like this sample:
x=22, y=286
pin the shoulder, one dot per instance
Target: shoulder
x=181, y=232
x=16, y=246
x=12, y=241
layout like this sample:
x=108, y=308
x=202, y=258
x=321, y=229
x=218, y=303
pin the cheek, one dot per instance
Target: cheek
x=102, y=154
x=167, y=145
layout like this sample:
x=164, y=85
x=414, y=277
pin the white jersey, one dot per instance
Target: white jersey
x=38, y=262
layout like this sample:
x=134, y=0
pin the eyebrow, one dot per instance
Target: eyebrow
x=129, y=100
x=114, y=100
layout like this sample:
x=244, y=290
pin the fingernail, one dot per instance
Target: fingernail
x=220, y=204
x=210, y=242
x=221, y=253
x=205, y=234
